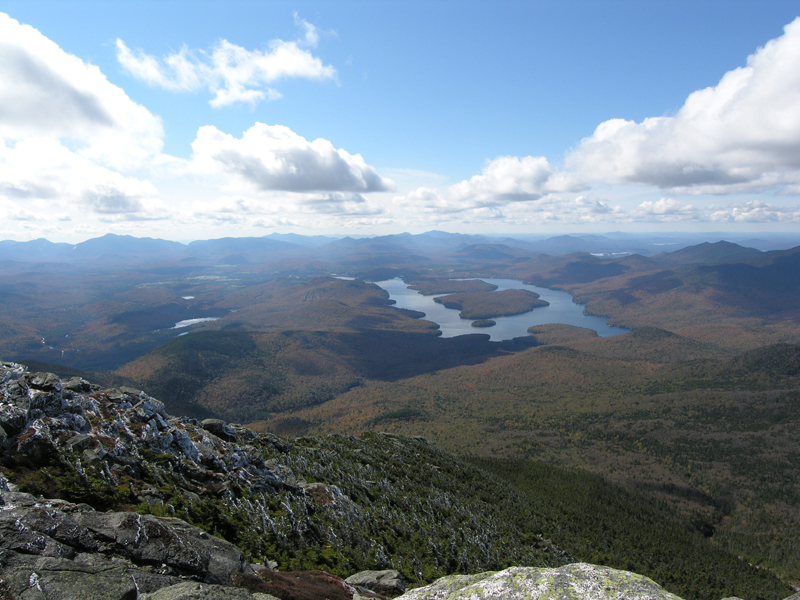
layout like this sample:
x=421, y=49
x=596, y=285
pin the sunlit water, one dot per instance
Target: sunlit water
x=188, y=322
x=561, y=310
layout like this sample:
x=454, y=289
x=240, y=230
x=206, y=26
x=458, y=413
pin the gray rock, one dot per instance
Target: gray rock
x=77, y=384
x=388, y=582
x=31, y=529
x=36, y=443
x=14, y=411
x=60, y=579
x=44, y=381
x=219, y=428
x=145, y=539
x=794, y=596
x=192, y=590
x=578, y=581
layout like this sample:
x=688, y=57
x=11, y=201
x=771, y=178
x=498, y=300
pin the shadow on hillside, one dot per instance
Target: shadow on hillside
x=393, y=355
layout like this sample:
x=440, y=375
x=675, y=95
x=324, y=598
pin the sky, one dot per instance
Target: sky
x=205, y=119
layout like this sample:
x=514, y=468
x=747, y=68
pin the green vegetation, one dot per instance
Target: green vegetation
x=716, y=438
x=558, y=333
x=646, y=343
x=384, y=501
x=637, y=534
x=244, y=377
x=485, y=305
x=484, y=323
x=732, y=297
x=673, y=410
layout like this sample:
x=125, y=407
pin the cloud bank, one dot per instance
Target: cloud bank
x=46, y=92
x=504, y=180
x=69, y=139
x=231, y=73
x=75, y=149
x=742, y=135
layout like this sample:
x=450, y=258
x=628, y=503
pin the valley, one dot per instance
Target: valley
x=688, y=399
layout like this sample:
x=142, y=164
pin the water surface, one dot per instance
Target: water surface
x=562, y=309
x=188, y=322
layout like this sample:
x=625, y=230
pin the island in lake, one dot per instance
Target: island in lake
x=484, y=323
x=487, y=305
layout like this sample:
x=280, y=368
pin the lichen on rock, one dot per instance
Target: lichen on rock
x=578, y=581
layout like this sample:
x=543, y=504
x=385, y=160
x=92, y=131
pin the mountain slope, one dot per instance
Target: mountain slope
x=342, y=504
x=716, y=437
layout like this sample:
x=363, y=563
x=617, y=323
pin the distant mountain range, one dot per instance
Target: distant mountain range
x=404, y=247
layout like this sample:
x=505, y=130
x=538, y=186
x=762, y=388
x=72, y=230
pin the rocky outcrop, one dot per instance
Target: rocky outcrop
x=51, y=549
x=346, y=500
x=56, y=545
x=388, y=582
x=200, y=591
x=578, y=581
x=123, y=432
x=337, y=502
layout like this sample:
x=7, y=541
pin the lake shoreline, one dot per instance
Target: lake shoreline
x=561, y=309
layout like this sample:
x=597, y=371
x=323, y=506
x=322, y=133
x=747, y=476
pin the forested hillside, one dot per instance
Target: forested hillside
x=717, y=437
x=346, y=504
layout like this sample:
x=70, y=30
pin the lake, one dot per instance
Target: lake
x=561, y=310
x=189, y=322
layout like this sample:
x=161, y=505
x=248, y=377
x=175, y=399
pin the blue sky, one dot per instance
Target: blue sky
x=518, y=117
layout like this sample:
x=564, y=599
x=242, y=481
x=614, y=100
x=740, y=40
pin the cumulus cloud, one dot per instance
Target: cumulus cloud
x=555, y=208
x=231, y=73
x=340, y=204
x=45, y=91
x=755, y=211
x=742, y=135
x=665, y=209
x=504, y=180
x=285, y=210
x=67, y=135
x=42, y=169
x=273, y=157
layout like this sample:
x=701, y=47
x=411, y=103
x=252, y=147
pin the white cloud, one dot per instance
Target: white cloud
x=270, y=158
x=339, y=204
x=755, y=211
x=231, y=73
x=665, y=209
x=311, y=37
x=502, y=181
x=239, y=206
x=46, y=92
x=42, y=172
x=555, y=208
x=742, y=135
x=66, y=137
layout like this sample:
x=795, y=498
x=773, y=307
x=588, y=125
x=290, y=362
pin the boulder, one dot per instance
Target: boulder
x=44, y=381
x=192, y=590
x=219, y=428
x=579, y=581
x=149, y=540
x=62, y=545
x=389, y=582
